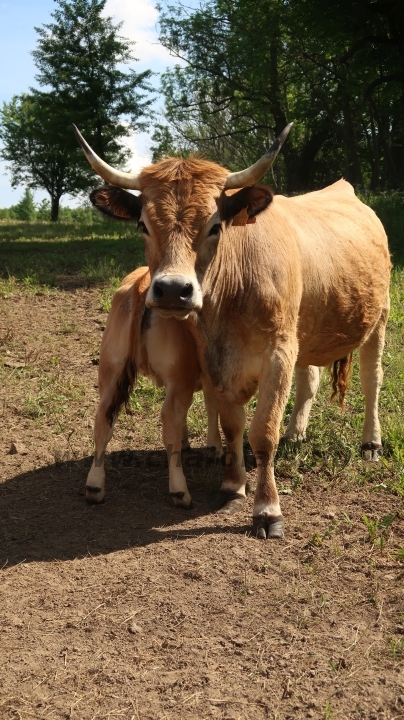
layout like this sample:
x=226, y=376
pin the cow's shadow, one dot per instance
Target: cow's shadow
x=44, y=515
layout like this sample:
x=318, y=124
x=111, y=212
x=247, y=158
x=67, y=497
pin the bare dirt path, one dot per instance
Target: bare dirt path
x=137, y=610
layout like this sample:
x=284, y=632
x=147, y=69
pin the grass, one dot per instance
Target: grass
x=52, y=396
x=37, y=258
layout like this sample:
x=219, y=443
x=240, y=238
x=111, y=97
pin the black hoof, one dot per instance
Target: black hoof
x=371, y=451
x=92, y=494
x=268, y=527
x=227, y=503
x=290, y=442
x=180, y=496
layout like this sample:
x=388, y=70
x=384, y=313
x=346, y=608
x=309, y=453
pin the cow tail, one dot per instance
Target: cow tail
x=340, y=372
x=123, y=388
x=128, y=377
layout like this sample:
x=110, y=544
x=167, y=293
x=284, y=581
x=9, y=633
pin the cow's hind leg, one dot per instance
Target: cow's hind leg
x=95, y=485
x=114, y=384
x=371, y=374
x=307, y=381
x=185, y=444
x=173, y=415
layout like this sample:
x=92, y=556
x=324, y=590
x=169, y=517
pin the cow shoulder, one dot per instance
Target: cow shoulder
x=249, y=202
x=117, y=203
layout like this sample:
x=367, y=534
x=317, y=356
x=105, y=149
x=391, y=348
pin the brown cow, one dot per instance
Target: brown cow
x=138, y=341
x=264, y=283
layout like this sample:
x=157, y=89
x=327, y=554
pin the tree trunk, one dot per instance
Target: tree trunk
x=353, y=172
x=303, y=175
x=55, y=208
x=375, y=159
x=276, y=105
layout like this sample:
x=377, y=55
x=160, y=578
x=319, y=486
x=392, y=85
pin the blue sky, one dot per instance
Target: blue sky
x=18, y=38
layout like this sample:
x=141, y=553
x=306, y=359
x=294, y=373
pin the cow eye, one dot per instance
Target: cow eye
x=215, y=229
x=143, y=227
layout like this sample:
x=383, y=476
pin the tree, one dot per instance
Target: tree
x=165, y=145
x=25, y=209
x=78, y=58
x=38, y=151
x=336, y=70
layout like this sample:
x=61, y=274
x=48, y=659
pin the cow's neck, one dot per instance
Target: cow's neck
x=235, y=318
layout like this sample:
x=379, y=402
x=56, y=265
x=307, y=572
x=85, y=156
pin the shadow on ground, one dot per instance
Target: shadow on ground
x=44, y=515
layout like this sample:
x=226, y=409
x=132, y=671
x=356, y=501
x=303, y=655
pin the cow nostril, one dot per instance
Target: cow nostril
x=187, y=291
x=158, y=291
x=172, y=291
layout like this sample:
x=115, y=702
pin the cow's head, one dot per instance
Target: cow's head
x=182, y=208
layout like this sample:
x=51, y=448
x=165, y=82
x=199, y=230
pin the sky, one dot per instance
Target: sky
x=18, y=38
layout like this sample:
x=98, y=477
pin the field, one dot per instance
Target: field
x=136, y=610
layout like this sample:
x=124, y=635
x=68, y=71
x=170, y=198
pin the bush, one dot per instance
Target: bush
x=26, y=210
x=389, y=207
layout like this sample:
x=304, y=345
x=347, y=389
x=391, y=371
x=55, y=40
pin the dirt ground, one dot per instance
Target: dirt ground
x=134, y=609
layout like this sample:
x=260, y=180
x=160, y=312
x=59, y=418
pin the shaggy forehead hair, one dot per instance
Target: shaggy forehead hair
x=178, y=193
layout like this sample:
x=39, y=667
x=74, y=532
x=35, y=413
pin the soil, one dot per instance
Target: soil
x=134, y=609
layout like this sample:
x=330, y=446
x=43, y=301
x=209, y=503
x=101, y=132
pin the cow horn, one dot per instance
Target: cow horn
x=105, y=171
x=255, y=172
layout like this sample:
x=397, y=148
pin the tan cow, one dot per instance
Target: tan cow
x=136, y=342
x=264, y=283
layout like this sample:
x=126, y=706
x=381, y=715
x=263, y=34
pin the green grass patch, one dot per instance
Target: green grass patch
x=38, y=257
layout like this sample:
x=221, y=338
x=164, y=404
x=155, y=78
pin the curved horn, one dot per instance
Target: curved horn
x=255, y=172
x=105, y=171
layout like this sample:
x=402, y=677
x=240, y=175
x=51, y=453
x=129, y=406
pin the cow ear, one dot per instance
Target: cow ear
x=242, y=207
x=117, y=203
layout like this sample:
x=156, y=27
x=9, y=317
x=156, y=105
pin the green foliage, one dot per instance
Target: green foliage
x=389, y=206
x=78, y=57
x=44, y=210
x=378, y=530
x=38, y=148
x=397, y=648
x=165, y=145
x=25, y=209
x=335, y=70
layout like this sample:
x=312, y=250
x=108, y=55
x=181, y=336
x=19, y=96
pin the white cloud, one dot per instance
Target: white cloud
x=139, y=19
x=139, y=145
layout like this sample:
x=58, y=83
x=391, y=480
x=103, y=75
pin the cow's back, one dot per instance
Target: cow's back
x=345, y=267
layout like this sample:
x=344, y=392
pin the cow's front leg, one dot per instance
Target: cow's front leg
x=274, y=388
x=307, y=379
x=173, y=417
x=231, y=496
